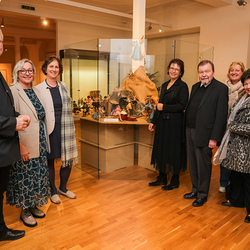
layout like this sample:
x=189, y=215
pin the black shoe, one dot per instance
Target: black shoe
x=226, y=204
x=169, y=187
x=160, y=181
x=199, y=202
x=191, y=195
x=12, y=235
x=247, y=219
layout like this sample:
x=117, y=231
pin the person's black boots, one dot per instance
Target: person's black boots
x=174, y=183
x=161, y=180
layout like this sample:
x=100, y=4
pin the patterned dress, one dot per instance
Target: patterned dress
x=29, y=181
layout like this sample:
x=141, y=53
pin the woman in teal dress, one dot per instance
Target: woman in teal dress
x=29, y=181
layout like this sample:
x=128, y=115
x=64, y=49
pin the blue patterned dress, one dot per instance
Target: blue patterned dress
x=29, y=181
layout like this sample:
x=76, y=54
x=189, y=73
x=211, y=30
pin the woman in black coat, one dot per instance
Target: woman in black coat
x=169, y=154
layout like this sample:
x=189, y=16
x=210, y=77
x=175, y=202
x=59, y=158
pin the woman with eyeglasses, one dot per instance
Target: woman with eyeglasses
x=29, y=180
x=234, y=150
x=169, y=154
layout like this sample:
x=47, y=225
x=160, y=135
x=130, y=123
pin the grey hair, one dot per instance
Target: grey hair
x=18, y=67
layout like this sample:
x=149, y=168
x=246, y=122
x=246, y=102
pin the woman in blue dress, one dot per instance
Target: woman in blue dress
x=29, y=180
x=60, y=123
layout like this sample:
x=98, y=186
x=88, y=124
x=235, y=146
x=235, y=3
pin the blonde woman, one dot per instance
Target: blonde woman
x=235, y=87
x=235, y=90
x=29, y=180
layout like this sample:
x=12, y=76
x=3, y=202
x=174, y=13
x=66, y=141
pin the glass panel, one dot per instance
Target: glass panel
x=98, y=74
x=80, y=62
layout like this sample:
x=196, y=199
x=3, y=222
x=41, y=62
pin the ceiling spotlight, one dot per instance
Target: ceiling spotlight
x=241, y=2
x=149, y=27
x=44, y=21
x=2, y=23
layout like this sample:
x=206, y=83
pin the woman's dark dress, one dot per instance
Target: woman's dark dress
x=55, y=136
x=29, y=181
x=169, y=153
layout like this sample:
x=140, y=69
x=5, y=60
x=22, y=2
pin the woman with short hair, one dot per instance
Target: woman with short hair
x=234, y=150
x=61, y=129
x=169, y=153
x=29, y=181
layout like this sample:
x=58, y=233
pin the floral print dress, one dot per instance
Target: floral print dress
x=29, y=180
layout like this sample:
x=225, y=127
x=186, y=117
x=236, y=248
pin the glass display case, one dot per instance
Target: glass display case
x=113, y=104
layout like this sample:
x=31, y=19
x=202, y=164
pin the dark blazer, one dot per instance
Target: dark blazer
x=174, y=100
x=211, y=118
x=9, y=142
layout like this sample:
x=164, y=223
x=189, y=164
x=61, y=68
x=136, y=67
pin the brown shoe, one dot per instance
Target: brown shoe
x=37, y=213
x=27, y=218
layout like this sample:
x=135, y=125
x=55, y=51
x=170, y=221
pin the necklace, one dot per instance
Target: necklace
x=51, y=86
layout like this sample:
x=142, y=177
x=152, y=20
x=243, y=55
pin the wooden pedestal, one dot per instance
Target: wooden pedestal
x=115, y=145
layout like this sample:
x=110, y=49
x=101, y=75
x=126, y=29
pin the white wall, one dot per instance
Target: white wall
x=71, y=32
x=225, y=28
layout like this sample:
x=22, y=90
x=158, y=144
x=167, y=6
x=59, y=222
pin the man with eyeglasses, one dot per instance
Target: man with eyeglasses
x=10, y=123
x=206, y=118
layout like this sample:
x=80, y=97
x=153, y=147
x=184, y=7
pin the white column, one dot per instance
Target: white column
x=139, y=10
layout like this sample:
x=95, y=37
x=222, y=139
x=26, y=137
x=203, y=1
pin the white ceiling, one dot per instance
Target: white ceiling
x=94, y=12
x=126, y=6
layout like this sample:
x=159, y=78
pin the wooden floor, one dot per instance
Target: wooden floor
x=120, y=211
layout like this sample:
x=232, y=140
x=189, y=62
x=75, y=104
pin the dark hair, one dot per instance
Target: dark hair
x=50, y=60
x=245, y=76
x=179, y=62
x=204, y=62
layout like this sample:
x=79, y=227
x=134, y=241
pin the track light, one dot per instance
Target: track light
x=149, y=27
x=241, y=2
x=2, y=23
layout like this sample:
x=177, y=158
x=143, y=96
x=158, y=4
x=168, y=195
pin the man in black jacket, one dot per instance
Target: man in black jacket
x=10, y=123
x=206, y=117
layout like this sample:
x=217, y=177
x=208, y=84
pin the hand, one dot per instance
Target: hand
x=150, y=127
x=160, y=106
x=24, y=152
x=22, y=122
x=212, y=144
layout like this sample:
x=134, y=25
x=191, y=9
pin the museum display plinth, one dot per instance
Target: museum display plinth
x=115, y=145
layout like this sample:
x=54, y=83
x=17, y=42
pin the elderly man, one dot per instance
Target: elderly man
x=10, y=123
x=206, y=117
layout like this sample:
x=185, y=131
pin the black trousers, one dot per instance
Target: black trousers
x=200, y=165
x=239, y=194
x=4, y=178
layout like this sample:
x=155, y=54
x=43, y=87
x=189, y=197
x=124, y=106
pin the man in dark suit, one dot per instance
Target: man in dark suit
x=10, y=123
x=206, y=117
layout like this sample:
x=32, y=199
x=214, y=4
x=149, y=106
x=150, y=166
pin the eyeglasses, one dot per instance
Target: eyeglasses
x=174, y=69
x=24, y=71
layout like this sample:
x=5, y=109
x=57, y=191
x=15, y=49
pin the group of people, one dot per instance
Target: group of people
x=215, y=114
x=36, y=129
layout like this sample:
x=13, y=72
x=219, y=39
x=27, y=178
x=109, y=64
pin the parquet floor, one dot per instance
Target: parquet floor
x=120, y=211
